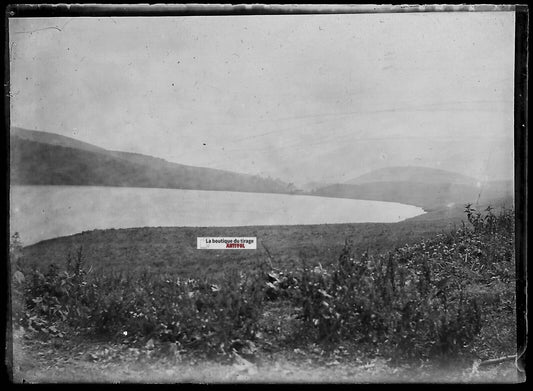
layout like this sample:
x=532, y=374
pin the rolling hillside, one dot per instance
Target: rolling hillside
x=413, y=174
x=41, y=158
x=431, y=189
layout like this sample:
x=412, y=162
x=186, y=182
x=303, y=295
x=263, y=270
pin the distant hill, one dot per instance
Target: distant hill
x=42, y=158
x=413, y=174
x=53, y=139
x=431, y=189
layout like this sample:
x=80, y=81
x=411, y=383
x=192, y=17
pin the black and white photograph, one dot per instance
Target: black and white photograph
x=264, y=194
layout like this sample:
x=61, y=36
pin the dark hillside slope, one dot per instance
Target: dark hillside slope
x=38, y=163
x=430, y=196
x=53, y=139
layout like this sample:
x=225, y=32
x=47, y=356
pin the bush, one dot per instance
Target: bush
x=195, y=314
x=417, y=302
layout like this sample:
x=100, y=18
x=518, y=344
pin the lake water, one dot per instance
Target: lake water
x=45, y=212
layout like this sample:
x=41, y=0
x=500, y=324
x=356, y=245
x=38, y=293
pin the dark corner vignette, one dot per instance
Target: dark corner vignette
x=278, y=282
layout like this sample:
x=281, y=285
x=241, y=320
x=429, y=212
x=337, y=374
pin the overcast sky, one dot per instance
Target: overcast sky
x=299, y=97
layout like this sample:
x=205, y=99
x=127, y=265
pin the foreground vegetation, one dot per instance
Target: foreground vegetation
x=447, y=298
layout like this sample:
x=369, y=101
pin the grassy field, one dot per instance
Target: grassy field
x=427, y=295
x=174, y=249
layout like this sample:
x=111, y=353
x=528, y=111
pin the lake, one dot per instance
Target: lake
x=44, y=212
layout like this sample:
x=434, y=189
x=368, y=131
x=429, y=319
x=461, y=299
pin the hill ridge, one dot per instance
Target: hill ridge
x=45, y=158
x=413, y=174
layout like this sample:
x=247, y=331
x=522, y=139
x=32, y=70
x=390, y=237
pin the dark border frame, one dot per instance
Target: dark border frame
x=194, y=9
x=187, y=9
x=521, y=179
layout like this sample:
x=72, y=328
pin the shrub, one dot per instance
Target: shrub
x=193, y=313
x=414, y=301
x=417, y=302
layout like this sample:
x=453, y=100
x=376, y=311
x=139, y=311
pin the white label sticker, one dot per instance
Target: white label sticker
x=211, y=243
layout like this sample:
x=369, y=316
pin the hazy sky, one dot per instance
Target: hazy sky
x=300, y=97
